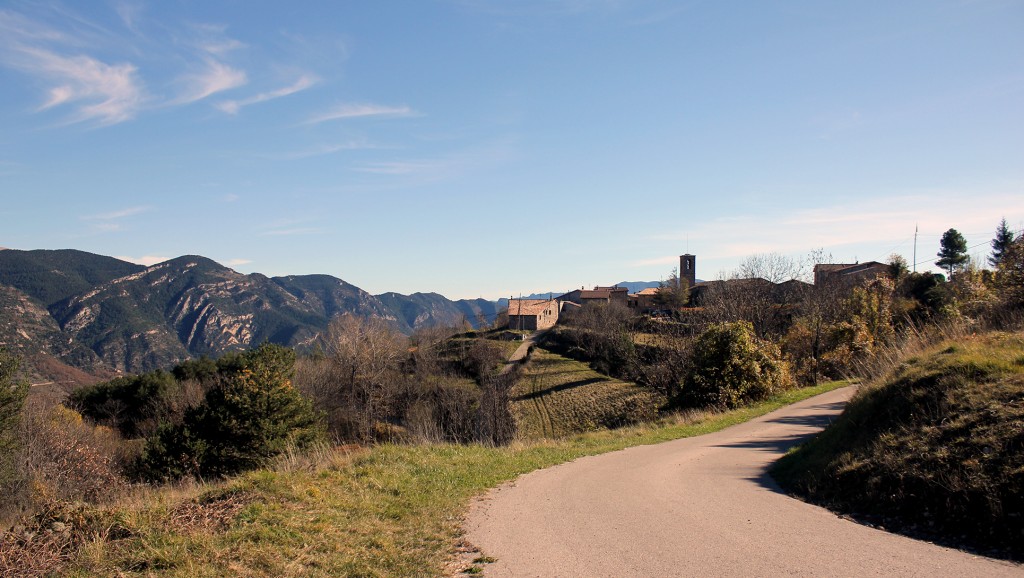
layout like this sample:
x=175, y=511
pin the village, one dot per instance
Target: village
x=540, y=314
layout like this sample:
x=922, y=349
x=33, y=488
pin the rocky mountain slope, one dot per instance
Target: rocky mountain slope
x=100, y=314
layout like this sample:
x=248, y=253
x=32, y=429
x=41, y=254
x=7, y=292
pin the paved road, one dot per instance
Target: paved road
x=695, y=507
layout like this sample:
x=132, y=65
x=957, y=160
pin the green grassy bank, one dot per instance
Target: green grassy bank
x=935, y=449
x=389, y=510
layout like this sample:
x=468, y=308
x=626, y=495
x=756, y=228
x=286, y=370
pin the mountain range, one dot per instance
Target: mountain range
x=77, y=317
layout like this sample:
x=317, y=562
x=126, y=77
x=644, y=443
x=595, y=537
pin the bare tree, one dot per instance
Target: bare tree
x=365, y=356
x=773, y=267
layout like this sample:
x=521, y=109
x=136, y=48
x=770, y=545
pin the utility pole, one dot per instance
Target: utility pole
x=915, y=247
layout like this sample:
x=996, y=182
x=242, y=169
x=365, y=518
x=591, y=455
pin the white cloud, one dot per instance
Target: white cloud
x=101, y=92
x=212, y=38
x=348, y=111
x=233, y=106
x=215, y=77
x=237, y=262
x=145, y=260
x=870, y=229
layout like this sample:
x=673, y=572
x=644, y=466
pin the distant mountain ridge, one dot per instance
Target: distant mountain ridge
x=101, y=315
x=632, y=286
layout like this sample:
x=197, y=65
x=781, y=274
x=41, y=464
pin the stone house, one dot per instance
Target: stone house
x=643, y=301
x=597, y=295
x=532, y=314
x=849, y=273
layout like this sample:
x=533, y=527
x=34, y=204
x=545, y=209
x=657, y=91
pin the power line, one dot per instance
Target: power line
x=1016, y=233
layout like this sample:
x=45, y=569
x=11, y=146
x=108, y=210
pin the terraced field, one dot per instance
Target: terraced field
x=558, y=396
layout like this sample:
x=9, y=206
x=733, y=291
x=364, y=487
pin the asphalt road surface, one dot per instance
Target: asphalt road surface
x=700, y=506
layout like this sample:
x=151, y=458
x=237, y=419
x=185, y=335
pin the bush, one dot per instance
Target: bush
x=482, y=359
x=66, y=458
x=936, y=446
x=731, y=367
x=131, y=404
x=12, y=399
x=251, y=415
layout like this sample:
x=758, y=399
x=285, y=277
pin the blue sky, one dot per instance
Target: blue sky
x=489, y=148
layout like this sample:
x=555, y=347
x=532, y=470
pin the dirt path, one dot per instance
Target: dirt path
x=695, y=507
x=520, y=353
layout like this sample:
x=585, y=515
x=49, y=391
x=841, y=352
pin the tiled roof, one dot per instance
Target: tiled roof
x=599, y=294
x=648, y=291
x=528, y=306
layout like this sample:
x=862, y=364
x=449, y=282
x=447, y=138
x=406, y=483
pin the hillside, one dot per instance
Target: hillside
x=558, y=396
x=50, y=276
x=936, y=449
x=99, y=314
x=420, y=310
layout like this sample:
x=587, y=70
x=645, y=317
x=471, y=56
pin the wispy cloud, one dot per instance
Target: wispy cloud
x=862, y=230
x=130, y=12
x=234, y=106
x=96, y=90
x=482, y=157
x=213, y=39
x=214, y=77
x=237, y=262
x=145, y=260
x=350, y=111
x=60, y=51
x=114, y=215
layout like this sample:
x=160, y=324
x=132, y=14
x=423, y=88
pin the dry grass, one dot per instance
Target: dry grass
x=389, y=510
x=934, y=448
x=558, y=396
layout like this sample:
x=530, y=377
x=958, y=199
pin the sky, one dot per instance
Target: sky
x=485, y=148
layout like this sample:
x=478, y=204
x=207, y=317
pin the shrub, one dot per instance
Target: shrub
x=482, y=359
x=251, y=415
x=131, y=404
x=66, y=458
x=12, y=399
x=935, y=446
x=731, y=367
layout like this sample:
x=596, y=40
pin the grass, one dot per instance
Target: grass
x=935, y=448
x=389, y=510
x=558, y=396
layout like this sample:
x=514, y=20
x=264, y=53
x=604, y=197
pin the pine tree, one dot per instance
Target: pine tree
x=1002, y=241
x=952, y=251
x=251, y=415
